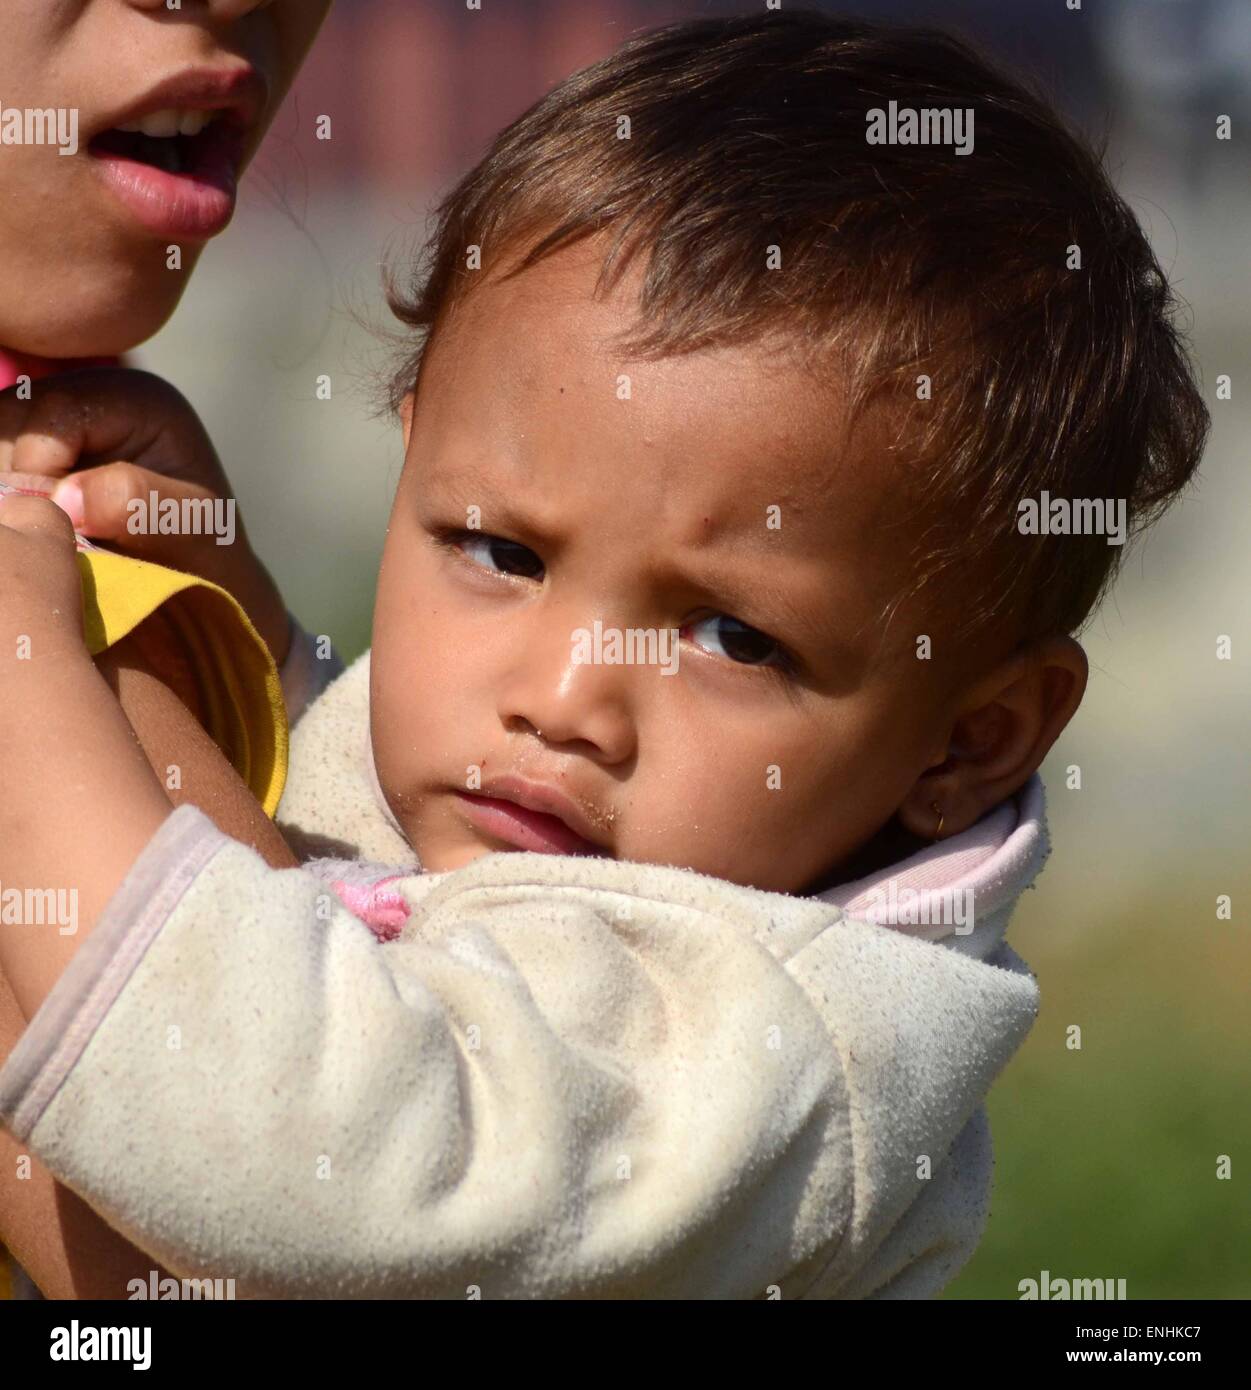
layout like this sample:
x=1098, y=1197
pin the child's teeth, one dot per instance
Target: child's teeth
x=159, y=125
x=164, y=124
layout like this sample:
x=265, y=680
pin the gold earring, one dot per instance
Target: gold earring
x=941, y=818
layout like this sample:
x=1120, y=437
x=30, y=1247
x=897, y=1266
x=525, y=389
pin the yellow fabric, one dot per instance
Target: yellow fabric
x=237, y=677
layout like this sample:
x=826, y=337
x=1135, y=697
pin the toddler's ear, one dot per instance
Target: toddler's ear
x=406, y=417
x=1003, y=730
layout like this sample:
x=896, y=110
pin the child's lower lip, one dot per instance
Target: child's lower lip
x=196, y=204
x=523, y=828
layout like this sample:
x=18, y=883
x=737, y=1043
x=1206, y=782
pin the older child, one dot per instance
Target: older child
x=727, y=369
x=163, y=111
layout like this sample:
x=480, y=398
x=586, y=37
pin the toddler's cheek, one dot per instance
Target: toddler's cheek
x=443, y=848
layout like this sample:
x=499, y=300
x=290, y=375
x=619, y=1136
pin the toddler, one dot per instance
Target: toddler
x=708, y=595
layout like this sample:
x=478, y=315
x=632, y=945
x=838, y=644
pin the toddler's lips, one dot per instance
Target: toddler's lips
x=523, y=828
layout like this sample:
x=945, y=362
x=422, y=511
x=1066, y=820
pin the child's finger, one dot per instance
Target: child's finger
x=35, y=514
x=123, y=503
x=50, y=437
x=13, y=415
x=110, y=411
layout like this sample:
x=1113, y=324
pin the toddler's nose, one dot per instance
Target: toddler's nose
x=570, y=705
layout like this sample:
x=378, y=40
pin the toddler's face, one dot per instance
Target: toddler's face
x=85, y=234
x=539, y=499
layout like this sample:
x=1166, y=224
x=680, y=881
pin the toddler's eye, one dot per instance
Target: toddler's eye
x=506, y=557
x=742, y=644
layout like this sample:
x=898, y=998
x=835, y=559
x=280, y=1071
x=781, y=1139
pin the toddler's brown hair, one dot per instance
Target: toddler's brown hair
x=1001, y=299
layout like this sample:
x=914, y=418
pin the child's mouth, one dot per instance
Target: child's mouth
x=175, y=170
x=523, y=828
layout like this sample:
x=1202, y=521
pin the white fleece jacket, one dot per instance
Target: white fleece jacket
x=536, y=1076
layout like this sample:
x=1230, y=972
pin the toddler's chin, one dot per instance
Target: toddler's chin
x=445, y=858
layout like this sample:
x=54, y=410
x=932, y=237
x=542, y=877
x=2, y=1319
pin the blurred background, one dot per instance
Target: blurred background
x=1107, y=1157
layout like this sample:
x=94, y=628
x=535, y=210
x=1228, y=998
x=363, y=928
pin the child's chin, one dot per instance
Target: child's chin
x=447, y=859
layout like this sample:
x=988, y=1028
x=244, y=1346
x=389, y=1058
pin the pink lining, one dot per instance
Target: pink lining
x=993, y=859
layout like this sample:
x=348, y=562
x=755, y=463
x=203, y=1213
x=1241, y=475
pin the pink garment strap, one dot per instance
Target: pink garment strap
x=383, y=913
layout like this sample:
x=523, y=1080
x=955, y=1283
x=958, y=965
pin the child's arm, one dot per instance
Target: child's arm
x=62, y=1244
x=168, y=733
x=90, y=417
x=70, y=758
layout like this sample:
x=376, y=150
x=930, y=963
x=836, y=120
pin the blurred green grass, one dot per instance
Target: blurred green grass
x=1106, y=1158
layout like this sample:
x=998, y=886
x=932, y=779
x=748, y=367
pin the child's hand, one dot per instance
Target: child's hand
x=117, y=436
x=40, y=585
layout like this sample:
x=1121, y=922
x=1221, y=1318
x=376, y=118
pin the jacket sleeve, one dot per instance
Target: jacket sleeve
x=564, y=1078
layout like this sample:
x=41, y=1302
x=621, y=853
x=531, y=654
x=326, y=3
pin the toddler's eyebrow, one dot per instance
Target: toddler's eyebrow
x=468, y=484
